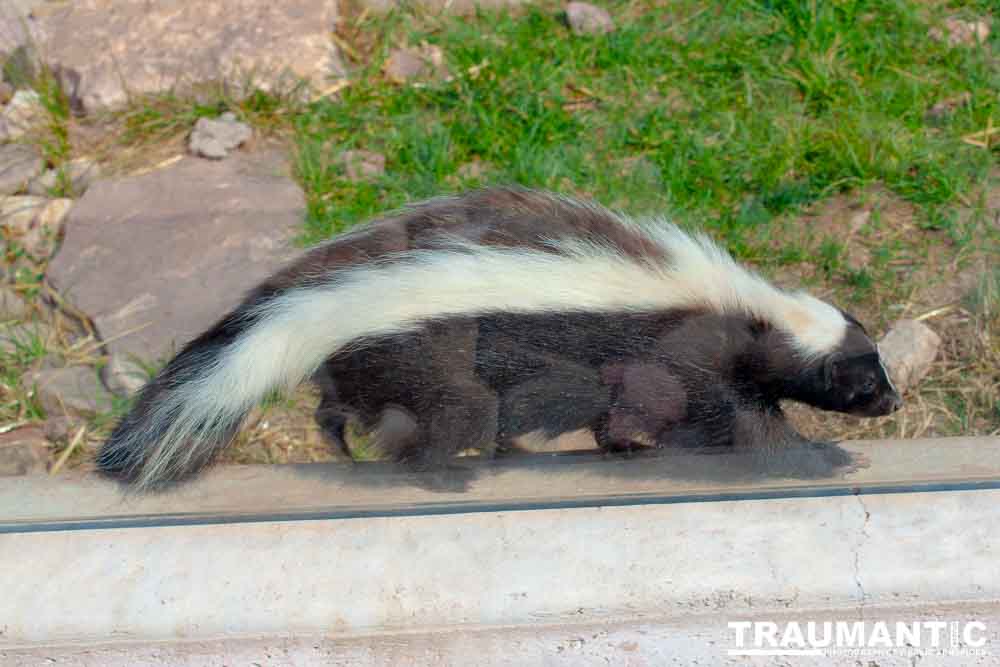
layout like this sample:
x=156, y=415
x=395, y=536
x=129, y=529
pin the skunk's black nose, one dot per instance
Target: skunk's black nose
x=895, y=402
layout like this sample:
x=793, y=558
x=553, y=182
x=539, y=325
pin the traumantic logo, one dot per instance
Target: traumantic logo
x=859, y=638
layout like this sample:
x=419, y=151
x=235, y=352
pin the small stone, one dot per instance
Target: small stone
x=909, y=349
x=586, y=19
x=43, y=184
x=404, y=65
x=39, y=241
x=947, y=106
x=71, y=390
x=60, y=428
x=18, y=165
x=214, y=139
x=958, y=32
x=18, y=214
x=6, y=92
x=12, y=306
x=362, y=165
x=23, y=112
x=54, y=214
x=24, y=451
x=123, y=377
x=80, y=173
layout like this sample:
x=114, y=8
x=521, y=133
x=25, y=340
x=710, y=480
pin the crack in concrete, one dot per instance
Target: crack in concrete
x=857, y=558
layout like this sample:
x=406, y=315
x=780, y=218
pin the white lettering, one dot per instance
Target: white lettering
x=880, y=635
x=935, y=627
x=793, y=636
x=766, y=630
x=908, y=635
x=740, y=627
x=967, y=634
x=856, y=637
x=827, y=634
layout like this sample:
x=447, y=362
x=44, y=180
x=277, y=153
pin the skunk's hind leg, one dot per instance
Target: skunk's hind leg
x=461, y=415
x=332, y=416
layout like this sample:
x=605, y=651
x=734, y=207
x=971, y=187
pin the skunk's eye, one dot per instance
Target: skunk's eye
x=869, y=386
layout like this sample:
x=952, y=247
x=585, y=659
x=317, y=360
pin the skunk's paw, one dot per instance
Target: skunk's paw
x=810, y=460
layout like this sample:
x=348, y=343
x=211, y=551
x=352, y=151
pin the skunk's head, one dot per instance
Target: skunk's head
x=855, y=380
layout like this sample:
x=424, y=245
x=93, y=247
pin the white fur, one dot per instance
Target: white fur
x=298, y=330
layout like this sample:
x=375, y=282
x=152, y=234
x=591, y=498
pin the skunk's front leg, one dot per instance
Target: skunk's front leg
x=777, y=449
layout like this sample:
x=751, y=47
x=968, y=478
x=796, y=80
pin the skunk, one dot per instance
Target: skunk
x=469, y=320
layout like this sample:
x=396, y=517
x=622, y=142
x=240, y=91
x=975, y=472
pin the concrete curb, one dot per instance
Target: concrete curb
x=656, y=565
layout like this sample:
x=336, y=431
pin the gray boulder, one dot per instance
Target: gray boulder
x=154, y=259
x=141, y=47
x=18, y=165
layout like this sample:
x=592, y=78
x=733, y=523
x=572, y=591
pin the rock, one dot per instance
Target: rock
x=23, y=112
x=362, y=165
x=909, y=349
x=405, y=65
x=958, y=32
x=73, y=390
x=215, y=138
x=14, y=336
x=34, y=222
x=6, y=92
x=61, y=428
x=44, y=184
x=80, y=173
x=137, y=47
x=18, y=216
x=24, y=451
x=199, y=234
x=123, y=377
x=12, y=306
x=18, y=165
x=586, y=19
x=40, y=241
x=947, y=106
x=16, y=24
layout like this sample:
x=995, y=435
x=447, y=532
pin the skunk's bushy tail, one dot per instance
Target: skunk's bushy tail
x=190, y=411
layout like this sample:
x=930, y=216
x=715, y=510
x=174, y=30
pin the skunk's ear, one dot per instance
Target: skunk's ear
x=830, y=365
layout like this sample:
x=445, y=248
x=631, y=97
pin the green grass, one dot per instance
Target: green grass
x=740, y=111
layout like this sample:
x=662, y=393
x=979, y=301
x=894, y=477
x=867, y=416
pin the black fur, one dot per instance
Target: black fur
x=682, y=379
